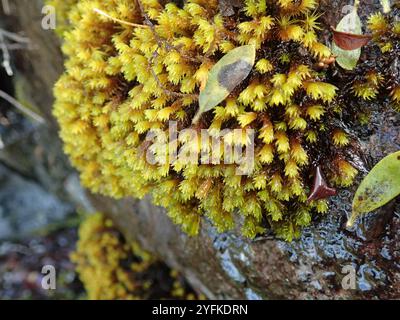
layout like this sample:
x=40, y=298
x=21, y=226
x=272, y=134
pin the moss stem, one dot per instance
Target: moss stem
x=101, y=12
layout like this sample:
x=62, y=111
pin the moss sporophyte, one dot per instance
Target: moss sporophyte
x=133, y=66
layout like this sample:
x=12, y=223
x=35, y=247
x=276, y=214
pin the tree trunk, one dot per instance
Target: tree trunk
x=226, y=265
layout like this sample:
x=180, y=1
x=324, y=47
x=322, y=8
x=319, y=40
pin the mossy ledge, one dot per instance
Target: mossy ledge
x=124, y=79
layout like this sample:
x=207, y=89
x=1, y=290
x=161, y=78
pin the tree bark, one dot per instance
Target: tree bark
x=226, y=265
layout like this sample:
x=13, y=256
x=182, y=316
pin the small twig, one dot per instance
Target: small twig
x=166, y=91
x=17, y=46
x=15, y=37
x=161, y=41
x=144, y=14
x=5, y=47
x=6, y=56
x=148, y=24
x=169, y=92
x=21, y=107
x=168, y=46
x=101, y=12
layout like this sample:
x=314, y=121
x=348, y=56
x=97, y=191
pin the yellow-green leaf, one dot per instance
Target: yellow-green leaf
x=224, y=76
x=379, y=187
x=348, y=59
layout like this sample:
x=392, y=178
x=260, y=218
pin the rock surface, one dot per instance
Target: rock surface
x=226, y=265
x=29, y=209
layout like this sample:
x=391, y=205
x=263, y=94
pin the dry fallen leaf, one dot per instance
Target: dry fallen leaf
x=225, y=76
x=350, y=41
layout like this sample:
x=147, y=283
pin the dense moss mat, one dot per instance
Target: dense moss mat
x=132, y=66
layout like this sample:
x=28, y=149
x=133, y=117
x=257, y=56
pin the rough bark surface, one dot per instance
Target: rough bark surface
x=226, y=265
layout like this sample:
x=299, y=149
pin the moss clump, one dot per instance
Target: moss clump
x=63, y=8
x=112, y=269
x=121, y=81
x=385, y=29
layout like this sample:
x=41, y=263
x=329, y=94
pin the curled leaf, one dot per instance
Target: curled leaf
x=379, y=187
x=346, y=42
x=350, y=41
x=320, y=189
x=224, y=76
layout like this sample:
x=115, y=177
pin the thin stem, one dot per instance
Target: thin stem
x=5, y=47
x=6, y=56
x=161, y=41
x=101, y=12
x=15, y=37
x=148, y=24
x=166, y=91
x=21, y=108
x=17, y=46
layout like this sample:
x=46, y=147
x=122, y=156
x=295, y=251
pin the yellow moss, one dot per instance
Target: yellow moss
x=385, y=30
x=124, y=78
x=111, y=269
x=99, y=256
x=345, y=173
x=377, y=23
x=340, y=138
x=368, y=88
x=320, y=90
x=395, y=94
x=62, y=11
